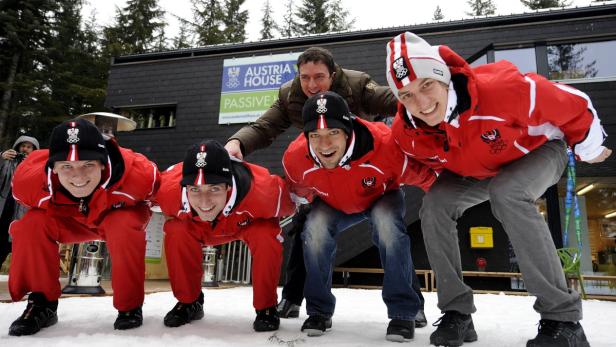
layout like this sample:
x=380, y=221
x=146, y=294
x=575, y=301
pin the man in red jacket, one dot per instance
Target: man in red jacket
x=210, y=200
x=84, y=188
x=499, y=136
x=356, y=169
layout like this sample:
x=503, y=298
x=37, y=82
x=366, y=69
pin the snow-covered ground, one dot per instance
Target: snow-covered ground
x=360, y=320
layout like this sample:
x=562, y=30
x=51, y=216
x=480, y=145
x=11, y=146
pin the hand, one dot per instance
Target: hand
x=234, y=148
x=9, y=154
x=601, y=157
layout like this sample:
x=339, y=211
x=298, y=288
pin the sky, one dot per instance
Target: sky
x=360, y=320
x=368, y=15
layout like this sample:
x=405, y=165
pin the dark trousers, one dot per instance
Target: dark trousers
x=293, y=289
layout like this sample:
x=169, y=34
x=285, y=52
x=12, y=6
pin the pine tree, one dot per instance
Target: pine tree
x=143, y=20
x=290, y=27
x=338, y=17
x=481, y=7
x=184, y=38
x=438, y=13
x=26, y=30
x=539, y=4
x=234, y=21
x=313, y=17
x=268, y=23
x=208, y=18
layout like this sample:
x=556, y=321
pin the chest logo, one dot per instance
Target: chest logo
x=368, y=182
x=494, y=140
x=244, y=222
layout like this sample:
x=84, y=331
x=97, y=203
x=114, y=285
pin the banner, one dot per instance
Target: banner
x=250, y=85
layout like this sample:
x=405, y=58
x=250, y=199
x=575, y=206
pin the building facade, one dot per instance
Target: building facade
x=175, y=99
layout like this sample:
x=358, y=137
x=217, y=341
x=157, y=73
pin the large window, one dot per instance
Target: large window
x=151, y=116
x=523, y=58
x=581, y=60
x=597, y=202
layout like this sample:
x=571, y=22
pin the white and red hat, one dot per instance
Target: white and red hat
x=409, y=57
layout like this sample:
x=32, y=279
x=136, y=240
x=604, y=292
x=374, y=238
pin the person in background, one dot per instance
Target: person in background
x=496, y=135
x=9, y=210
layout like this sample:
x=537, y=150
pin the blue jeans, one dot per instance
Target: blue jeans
x=386, y=217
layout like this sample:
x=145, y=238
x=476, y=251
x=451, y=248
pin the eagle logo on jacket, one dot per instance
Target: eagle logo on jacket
x=494, y=140
x=244, y=222
x=368, y=182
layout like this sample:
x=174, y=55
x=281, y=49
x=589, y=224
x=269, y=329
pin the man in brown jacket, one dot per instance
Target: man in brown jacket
x=317, y=72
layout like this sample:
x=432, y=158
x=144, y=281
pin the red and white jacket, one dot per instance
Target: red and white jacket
x=128, y=179
x=372, y=165
x=496, y=115
x=255, y=194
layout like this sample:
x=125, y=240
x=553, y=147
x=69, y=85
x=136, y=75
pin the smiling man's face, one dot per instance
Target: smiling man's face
x=79, y=177
x=426, y=99
x=207, y=200
x=329, y=144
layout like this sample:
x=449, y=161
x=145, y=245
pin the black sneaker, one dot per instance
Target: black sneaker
x=287, y=309
x=267, y=320
x=555, y=333
x=184, y=313
x=128, y=319
x=316, y=325
x=40, y=313
x=454, y=328
x=400, y=330
x=420, y=319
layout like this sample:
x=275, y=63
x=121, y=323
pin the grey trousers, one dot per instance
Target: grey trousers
x=512, y=194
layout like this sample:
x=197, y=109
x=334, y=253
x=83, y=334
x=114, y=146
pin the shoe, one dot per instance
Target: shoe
x=400, y=330
x=316, y=325
x=267, y=320
x=454, y=328
x=420, y=319
x=40, y=313
x=287, y=309
x=129, y=319
x=184, y=313
x=555, y=333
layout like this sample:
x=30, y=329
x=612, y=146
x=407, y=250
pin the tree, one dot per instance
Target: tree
x=568, y=62
x=481, y=7
x=184, y=38
x=25, y=29
x=234, y=21
x=290, y=27
x=313, y=17
x=539, y=4
x=438, y=13
x=268, y=23
x=339, y=17
x=208, y=18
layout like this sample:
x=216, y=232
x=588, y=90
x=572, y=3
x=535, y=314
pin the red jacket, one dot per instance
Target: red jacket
x=376, y=166
x=255, y=194
x=129, y=179
x=500, y=116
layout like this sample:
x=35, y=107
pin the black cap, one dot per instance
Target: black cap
x=206, y=162
x=327, y=110
x=76, y=139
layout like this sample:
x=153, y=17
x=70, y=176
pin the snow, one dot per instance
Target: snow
x=360, y=320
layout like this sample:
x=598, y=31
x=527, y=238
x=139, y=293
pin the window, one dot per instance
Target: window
x=151, y=117
x=581, y=60
x=523, y=58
